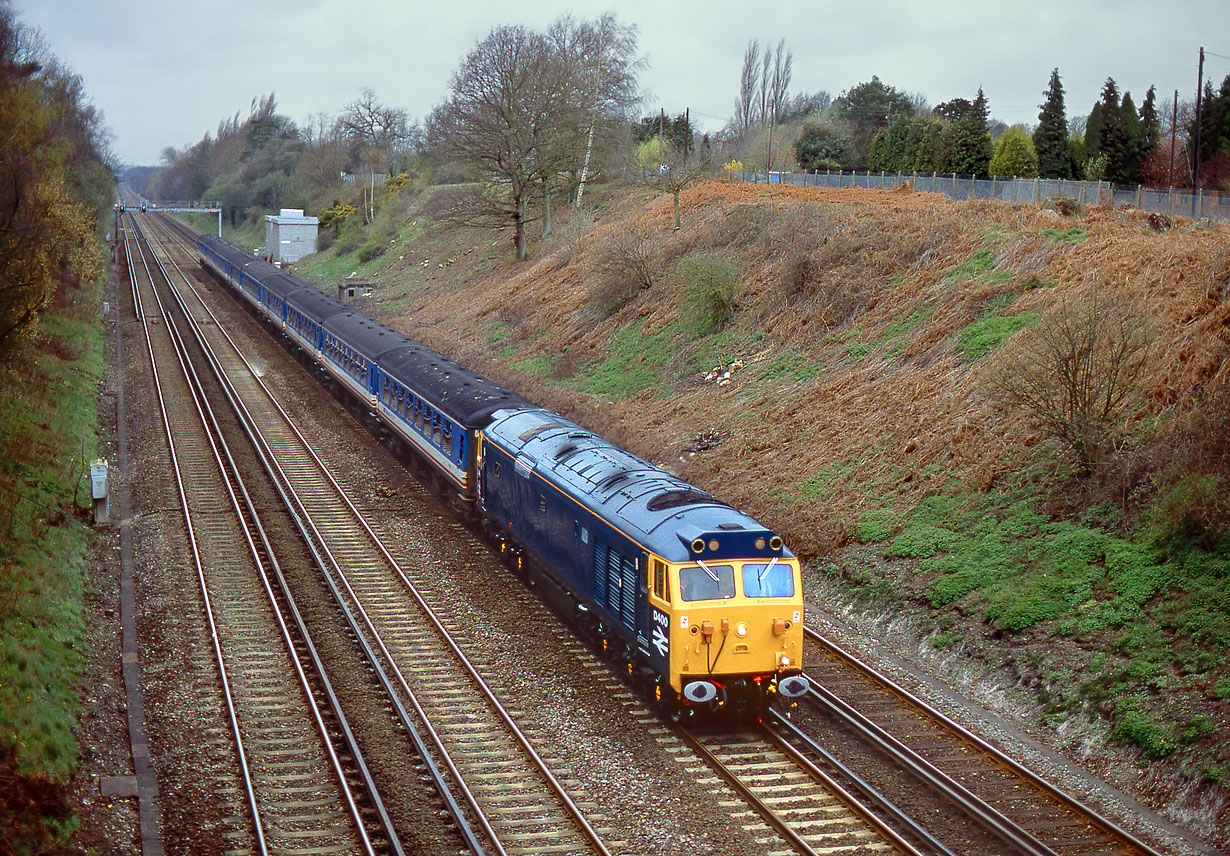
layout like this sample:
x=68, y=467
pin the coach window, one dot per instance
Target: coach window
x=435, y=434
x=446, y=438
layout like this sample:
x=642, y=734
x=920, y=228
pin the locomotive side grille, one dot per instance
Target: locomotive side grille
x=600, y=552
x=615, y=583
x=629, y=592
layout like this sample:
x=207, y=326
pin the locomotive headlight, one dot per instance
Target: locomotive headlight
x=785, y=661
x=740, y=629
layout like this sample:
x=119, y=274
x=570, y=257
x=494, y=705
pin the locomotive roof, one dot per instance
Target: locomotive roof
x=463, y=394
x=661, y=511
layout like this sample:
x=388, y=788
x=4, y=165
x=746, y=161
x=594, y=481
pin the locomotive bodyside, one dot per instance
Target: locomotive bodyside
x=692, y=595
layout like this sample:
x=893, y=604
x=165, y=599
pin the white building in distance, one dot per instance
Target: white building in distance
x=289, y=236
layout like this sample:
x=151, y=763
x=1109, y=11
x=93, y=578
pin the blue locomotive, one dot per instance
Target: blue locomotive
x=699, y=603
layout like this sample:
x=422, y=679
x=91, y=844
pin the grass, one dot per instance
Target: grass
x=241, y=236
x=792, y=365
x=1074, y=235
x=48, y=436
x=634, y=364
x=1164, y=607
x=990, y=330
x=973, y=267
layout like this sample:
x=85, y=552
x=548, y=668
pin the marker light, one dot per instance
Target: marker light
x=740, y=629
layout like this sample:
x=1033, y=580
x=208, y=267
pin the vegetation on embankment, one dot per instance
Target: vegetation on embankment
x=56, y=192
x=877, y=352
x=48, y=436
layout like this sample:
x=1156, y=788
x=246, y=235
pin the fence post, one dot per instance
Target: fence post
x=1140, y=196
x=954, y=185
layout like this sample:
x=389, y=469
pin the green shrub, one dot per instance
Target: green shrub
x=1197, y=728
x=1135, y=727
x=878, y=525
x=372, y=249
x=712, y=284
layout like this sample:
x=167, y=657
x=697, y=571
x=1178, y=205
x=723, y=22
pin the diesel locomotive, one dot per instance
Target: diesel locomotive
x=697, y=602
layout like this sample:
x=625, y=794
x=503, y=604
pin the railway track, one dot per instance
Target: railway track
x=509, y=791
x=295, y=784
x=1024, y=812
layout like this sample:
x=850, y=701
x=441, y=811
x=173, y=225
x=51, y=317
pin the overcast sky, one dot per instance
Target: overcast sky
x=165, y=72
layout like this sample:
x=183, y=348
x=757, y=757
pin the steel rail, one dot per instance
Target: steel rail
x=501, y=712
x=235, y=480
x=775, y=723
x=1109, y=827
x=312, y=539
x=200, y=570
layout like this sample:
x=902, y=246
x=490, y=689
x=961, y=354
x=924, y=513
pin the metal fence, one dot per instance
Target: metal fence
x=1173, y=201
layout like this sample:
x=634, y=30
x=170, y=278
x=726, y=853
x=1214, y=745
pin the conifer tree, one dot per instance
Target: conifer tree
x=1128, y=169
x=1051, y=136
x=972, y=148
x=1150, y=126
x=1093, y=131
x=1113, y=141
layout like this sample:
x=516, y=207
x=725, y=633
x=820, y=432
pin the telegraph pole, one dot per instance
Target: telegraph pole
x=1174, y=123
x=1196, y=161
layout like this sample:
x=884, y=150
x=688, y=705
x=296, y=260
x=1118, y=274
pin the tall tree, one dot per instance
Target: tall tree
x=1093, y=131
x=745, y=106
x=972, y=148
x=779, y=83
x=867, y=108
x=762, y=91
x=1050, y=138
x=508, y=107
x=1150, y=124
x=1129, y=168
x=603, y=54
x=1112, y=142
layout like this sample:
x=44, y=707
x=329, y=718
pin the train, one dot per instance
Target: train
x=699, y=604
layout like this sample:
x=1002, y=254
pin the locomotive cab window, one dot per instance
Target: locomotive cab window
x=771, y=579
x=661, y=587
x=707, y=582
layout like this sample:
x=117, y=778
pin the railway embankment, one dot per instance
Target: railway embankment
x=999, y=433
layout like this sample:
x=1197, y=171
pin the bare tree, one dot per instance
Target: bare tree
x=512, y=105
x=596, y=61
x=745, y=107
x=367, y=124
x=1074, y=372
x=603, y=54
x=764, y=87
x=783, y=64
x=663, y=166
